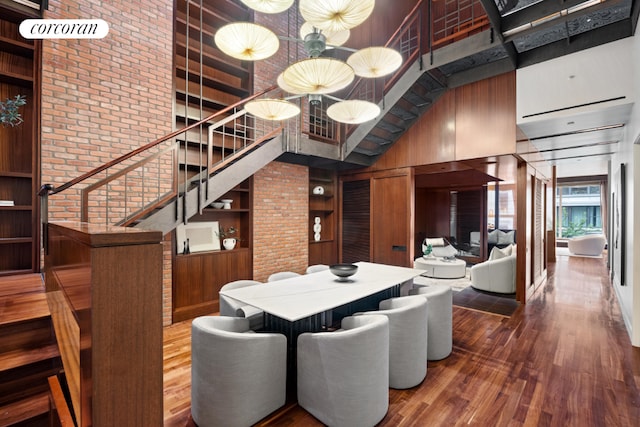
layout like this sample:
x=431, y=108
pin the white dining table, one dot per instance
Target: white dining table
x=307, y=295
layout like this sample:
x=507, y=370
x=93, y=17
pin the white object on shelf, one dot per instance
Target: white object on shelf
x=316, y=220
x=7, y=203
x=316, y=237
x=319, y=190
x=227, y=203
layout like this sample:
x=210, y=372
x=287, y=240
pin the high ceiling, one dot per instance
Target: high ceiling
x=533, y=31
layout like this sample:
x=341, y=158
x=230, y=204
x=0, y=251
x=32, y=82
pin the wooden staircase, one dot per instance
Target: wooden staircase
x=28, y=351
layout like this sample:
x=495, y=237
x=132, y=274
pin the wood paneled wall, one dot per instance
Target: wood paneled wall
x=472, y=121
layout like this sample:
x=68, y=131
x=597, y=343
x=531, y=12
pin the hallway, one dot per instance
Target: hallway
x=564, y=359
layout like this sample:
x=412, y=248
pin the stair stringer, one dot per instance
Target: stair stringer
x=174, y=213
x=399, y=89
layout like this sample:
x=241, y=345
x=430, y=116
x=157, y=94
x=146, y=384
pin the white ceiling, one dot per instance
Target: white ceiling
x=575, y=109
x=580, y=144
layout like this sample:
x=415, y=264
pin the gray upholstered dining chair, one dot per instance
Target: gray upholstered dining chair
x=407, y=339
x=343, y=376
x=237, y=377
x=281, y=275
x=233, y=308
x=316, y=267
x=440, y=324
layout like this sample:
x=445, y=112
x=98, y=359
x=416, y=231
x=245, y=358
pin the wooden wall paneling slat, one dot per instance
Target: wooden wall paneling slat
x=486, y=117
x=523, y=221
x=356, y=221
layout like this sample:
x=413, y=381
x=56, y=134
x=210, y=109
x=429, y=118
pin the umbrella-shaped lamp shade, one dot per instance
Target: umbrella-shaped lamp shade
x=336, y=15
x=375, y=61
x=334, y=38
x=268, y=6
x=272, y=109
x=317, y=76
x=353, y=111
x=246, y=41
x=281, y=83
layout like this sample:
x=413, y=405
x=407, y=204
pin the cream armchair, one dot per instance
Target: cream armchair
x=498, y=273
x=590, y=244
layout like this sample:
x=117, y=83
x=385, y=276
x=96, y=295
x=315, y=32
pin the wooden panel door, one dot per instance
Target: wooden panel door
x=392, y=221
x=356, y=221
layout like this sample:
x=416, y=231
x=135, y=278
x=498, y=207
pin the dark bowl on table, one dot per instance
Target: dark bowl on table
x=343, y=271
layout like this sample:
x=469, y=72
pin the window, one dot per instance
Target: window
x=578, y=210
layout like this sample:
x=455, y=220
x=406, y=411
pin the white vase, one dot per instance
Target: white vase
x=316, y=237
x=317, y=228
x=229, y=243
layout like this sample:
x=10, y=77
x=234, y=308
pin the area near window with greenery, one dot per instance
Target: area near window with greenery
x=578, y=210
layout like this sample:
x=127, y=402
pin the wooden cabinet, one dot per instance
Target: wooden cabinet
x=323, y=247
x=197, y=277
x=19, y=153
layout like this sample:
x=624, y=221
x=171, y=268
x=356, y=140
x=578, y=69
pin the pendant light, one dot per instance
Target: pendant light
x=246, y=41
x=336, y=15
x=353, y=111
x=272, y=109
x=268, y=6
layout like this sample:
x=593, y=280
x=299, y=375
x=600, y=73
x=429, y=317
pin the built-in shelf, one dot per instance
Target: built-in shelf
x=14, y=240
x=323, y=206
x=19, y=226
x=16, y=208
x=16, y=79
x=16, y=47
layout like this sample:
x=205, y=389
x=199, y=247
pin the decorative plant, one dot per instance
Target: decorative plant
x=428, y=249
x=223, y=234
x=9, y=115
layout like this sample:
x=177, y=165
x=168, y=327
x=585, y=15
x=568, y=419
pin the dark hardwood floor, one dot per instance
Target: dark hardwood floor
x=564, y=359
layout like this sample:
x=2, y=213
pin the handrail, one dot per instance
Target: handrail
x=404, y=22
x=51, y=191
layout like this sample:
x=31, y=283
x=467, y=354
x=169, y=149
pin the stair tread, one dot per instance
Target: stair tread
x=21, y=284
x=24, y=409
x=22, y=308
x=22, y=357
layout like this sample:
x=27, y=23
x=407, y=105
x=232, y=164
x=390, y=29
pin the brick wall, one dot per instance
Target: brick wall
x=103, y=98
x=280, y=219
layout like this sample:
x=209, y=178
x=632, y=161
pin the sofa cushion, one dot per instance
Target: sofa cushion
x=438, y=241
x=497, y=253
x=505, y=237
x=493, y=237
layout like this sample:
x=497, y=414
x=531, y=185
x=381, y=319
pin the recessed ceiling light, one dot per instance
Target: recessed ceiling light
x=571, y=123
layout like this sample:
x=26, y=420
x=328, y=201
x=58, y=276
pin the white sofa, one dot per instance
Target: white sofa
x=589, y=244
x=498, y=273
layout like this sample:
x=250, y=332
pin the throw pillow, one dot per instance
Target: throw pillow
x=493, y=237
x=505, y=237
x=497, y=253
x=438, y=241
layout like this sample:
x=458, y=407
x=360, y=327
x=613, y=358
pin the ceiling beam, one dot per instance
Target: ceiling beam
x=589, y=39
x=555, y=22
x=544, y=8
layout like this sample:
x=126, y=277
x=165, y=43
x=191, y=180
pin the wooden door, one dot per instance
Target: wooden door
x=392, y=220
